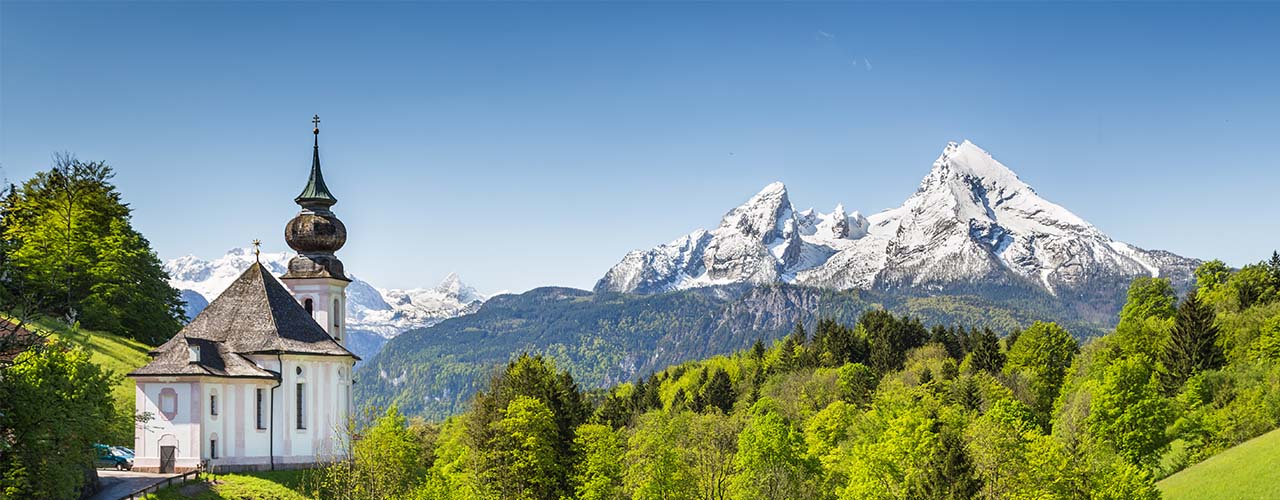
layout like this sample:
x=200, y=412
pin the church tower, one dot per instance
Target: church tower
x=315, y=276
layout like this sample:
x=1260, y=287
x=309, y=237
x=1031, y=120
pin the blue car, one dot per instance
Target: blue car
x=113, y=457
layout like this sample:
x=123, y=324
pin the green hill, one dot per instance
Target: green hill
x=118, y=354
x=1248, y=471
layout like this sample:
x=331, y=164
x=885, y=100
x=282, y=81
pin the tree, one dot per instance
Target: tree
x=491, y=420
x=712, y=443
x=950, y=474
x=599, y=471
x=1043, y=353
x=719, y=391
x=999, y=443
x=69, y=239
x=656, y=469
x=1146, y=317
x=984, y=351
x=894, y=460
x=524, y=461
x=385, y=461
x=856, y=383
x=770, y=457
x=1129, y=412
x=889, y=338
x=1193, y=344
x=1210, y=275
x=54, y=405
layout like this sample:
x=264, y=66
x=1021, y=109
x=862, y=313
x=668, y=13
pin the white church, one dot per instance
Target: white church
x=261, y=379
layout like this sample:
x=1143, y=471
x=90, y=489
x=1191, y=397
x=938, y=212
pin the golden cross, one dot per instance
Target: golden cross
x=256, y=250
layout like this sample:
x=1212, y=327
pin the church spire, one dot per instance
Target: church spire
x=316, y=195
x=315, y=233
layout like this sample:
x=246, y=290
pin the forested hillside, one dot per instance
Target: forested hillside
x=884, y=407
x=82, y=299
x=608, y=338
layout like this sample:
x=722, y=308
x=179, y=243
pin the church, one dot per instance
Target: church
x=261, y=379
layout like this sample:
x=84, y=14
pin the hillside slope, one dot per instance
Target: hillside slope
x=1248, y=471
x=608, y=338
x=118, y=354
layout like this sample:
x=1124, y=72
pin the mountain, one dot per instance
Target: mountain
x=972, y=226
x=605, y=338
x=974, y=245
x=373, y=315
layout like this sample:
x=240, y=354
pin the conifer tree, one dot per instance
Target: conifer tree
x=986, y=351
x=719, y=391
x=1193, y=343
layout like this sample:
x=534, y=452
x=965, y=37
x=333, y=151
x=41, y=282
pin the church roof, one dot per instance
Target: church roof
x=255, y=315
x=316, y=193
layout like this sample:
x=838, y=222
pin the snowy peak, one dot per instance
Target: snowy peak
x=763, y=217
x=973, y=223
x=966, y=160
x=387, y=312
x=453, y=288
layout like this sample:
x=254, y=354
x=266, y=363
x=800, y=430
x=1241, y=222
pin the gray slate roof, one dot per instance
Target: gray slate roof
x=256, y=314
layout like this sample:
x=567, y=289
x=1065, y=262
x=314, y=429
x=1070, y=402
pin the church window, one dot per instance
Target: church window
x=301, y=415
x=336, y=335
x=307, y=304
x=213, y=448
x=213, y=404
x=169, y=403
x=262, y=421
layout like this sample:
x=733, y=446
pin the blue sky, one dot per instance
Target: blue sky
x=523, y=145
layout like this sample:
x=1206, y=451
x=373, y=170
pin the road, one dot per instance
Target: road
x=117, y=484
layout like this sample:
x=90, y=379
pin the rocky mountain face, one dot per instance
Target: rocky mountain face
x=373, y=315
x=972, y=226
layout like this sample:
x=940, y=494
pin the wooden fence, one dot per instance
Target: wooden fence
x=182, y=479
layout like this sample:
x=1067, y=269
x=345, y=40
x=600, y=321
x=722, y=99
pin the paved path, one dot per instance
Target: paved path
x=117, y=484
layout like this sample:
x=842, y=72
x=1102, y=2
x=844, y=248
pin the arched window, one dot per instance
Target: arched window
x=336, y=324
x=306, y=304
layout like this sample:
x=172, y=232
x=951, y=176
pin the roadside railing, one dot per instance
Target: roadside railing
x=179, y=479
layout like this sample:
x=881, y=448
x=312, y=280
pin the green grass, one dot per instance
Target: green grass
x=118, y=354
x=1248, y=471
x=269, y=485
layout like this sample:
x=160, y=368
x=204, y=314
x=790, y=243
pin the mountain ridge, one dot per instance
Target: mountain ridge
x=383, y=312
x=972, y=221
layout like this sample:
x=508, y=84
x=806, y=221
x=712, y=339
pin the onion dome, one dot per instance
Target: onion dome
x=315, y=233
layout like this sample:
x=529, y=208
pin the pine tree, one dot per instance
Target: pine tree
x=1193, y=343
x=719, y=391
x=986, y=351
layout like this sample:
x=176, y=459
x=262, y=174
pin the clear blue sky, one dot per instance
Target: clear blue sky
x=524, y=145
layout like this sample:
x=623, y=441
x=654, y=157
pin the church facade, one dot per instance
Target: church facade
x=261, y=378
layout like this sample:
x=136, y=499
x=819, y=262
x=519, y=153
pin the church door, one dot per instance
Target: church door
x=167, y=459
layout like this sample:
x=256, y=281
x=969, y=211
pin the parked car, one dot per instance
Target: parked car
x=113, y=457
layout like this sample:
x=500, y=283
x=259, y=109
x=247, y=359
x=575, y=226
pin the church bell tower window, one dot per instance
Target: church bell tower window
x=309, y=306
x=337, y=326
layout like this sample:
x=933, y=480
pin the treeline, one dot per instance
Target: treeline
x=883, y=408
x=69, y=251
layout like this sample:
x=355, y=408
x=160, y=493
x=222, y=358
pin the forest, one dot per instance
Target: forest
x=886, y=407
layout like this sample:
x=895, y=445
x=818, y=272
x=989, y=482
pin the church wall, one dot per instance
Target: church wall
x=175, y=404
x=326, y=407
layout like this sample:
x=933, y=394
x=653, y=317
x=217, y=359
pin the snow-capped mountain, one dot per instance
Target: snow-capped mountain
x=971, y=224
x=386, y=312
